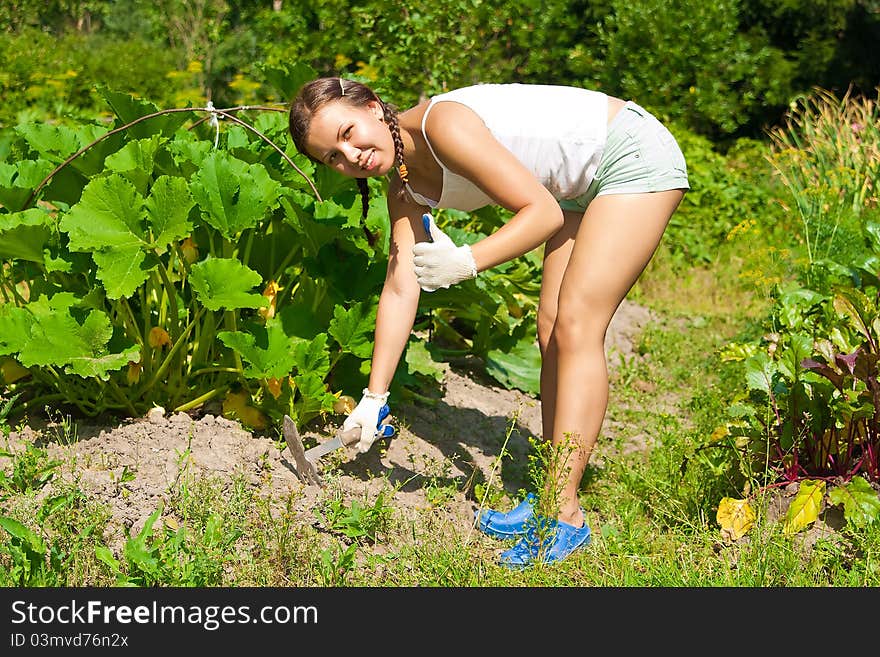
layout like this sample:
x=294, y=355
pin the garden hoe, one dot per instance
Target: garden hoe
x=305, y=459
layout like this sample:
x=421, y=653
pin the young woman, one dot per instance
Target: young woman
x=590, y=177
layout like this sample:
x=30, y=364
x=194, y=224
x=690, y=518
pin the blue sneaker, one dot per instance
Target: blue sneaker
x=559, y=540
x=510, y=524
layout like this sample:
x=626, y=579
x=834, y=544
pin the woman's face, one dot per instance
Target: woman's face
x=354, y=141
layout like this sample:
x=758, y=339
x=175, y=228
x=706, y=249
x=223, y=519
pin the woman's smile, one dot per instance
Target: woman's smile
x=370, y=161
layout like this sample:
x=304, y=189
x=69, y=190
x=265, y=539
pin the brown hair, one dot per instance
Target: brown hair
x=317, y=93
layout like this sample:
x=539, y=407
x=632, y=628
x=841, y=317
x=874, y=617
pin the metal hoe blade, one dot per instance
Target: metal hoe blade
x=305, y=469
x=305, y=460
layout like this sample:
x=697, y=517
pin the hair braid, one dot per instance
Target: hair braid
x=390, y=114
x=364, y=189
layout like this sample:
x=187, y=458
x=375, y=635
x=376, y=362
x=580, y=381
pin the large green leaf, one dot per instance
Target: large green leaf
x=798, y=348
x=419, y=360
x=313, y=356
x=168, y=207
x=226, y=283
x=233, y=194
x=353, y=328
x=17, y=181
x=858, y=308
x=15, y=326
x=313, y=397
x=110, y=214
x=56, y=338
x=333, y=213
x=313, y=234
x=267, y=349
x=188, y=152
x=518, y=368
x=128, y=109
x=861, y=505
x=759, y=372
x=115, y=223
x=301, y=318
x=121, y=269
x=91, y=161
x=53, y=142
x=136, y=161
x=24, y=235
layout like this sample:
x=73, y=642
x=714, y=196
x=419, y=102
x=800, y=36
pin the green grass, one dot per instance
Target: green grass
x=652, y=512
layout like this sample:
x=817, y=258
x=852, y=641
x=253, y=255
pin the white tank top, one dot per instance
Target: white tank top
x=558, y=133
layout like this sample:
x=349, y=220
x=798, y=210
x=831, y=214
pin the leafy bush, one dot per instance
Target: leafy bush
x=812, y=399
x=689, y=58
x=56, y=75
x=166, y=266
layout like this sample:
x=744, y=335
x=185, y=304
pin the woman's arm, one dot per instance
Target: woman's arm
x=464, y=144
x=400, y=294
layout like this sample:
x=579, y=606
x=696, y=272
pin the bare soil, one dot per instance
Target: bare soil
x=131, y=467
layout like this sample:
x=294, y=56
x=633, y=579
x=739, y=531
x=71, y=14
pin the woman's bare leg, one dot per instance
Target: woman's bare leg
x=614, y=243
x=556, y=254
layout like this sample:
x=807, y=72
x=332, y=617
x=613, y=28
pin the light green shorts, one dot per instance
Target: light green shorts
x=641, y=155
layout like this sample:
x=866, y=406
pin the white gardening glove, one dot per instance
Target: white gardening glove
x=440, y=263
x=366, y=416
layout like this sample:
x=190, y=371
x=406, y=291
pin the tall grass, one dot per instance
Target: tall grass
x=827, y=153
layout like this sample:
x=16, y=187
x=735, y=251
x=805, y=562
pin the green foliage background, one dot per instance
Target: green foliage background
x=144, y=272
x=721, y=74
x=726, y=68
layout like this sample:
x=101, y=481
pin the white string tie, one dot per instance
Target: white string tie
x=214, y=121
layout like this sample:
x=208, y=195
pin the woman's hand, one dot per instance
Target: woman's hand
x=440, y=263
x=366, y=416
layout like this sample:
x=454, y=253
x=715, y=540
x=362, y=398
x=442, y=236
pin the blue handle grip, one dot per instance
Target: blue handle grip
x=385, y=430
x=426, y=222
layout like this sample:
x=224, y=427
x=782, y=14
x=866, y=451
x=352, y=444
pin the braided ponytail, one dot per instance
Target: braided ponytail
x=390, y=113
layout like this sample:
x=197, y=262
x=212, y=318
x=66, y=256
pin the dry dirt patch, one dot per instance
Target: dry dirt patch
x=131, y=467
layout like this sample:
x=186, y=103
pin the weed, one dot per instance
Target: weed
x=440, y=486
x=30, y=558
x=335, y=564
x=549, y=469
x=31, y=562
x=356, y=521
x=490, y=493
x=440, y=494
x=5, y=409
x=63, y=427
x=32, y=469
x=171, y=556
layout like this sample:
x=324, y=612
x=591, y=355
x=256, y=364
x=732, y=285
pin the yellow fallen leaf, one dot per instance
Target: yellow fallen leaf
x=11, y=371
x=235, y=406
x=158, y=337
x=804, y=508
x=274, y=386
x=344, y=405
x=133, y=375
x=736, y=518
x=253, y=418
